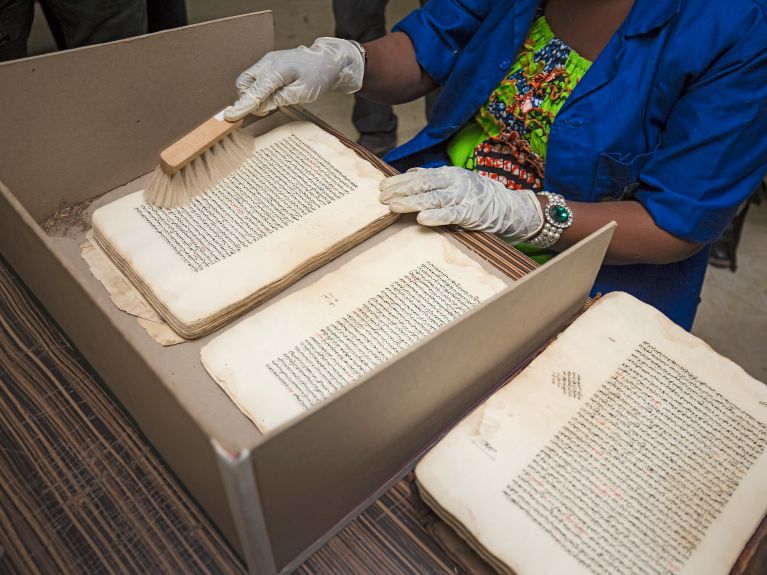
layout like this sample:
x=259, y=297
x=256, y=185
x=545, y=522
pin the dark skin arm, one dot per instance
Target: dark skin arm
x=393, y=76
x=637, y=240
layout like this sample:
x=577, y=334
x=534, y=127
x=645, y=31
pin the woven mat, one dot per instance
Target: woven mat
x=82, y=491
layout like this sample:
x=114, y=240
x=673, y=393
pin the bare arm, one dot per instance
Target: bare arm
x=453, y=195
x=637, y=240
x=393, y=75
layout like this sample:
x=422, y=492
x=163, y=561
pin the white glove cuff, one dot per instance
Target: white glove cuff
x=532, y=198
x=350, y=60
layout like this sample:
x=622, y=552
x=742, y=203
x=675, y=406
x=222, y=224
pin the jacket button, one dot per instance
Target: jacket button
x=504, y=64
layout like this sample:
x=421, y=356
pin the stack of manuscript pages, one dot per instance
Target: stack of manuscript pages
x=627, y=446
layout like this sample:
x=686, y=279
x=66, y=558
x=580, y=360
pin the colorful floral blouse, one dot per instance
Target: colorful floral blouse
x=507, y=139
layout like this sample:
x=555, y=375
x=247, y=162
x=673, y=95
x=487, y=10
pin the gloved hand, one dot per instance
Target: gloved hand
x=298, y=76
x=452, y=195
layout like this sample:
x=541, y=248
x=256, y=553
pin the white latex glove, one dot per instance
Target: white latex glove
x=452, y=195
x=298, y=76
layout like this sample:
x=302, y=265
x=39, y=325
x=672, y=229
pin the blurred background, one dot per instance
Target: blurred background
x=732, y=316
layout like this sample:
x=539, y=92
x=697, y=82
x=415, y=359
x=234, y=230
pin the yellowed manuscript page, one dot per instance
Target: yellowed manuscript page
x=301, y=192
x=628, y=446
x=301, y=350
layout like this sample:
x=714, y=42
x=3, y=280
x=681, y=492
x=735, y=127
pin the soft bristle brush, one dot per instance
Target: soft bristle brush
x=194, y=164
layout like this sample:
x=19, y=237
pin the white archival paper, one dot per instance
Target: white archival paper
x=628, y=446
x=301, y=350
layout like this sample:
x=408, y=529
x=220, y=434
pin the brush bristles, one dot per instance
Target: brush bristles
x=201, y=174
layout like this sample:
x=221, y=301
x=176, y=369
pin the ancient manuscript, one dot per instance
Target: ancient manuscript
x=300, y=200
x=627, y=447
x=296, y=353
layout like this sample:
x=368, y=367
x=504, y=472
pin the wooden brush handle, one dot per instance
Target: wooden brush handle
x=195, y=143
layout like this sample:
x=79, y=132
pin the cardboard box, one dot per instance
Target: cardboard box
x=79, y=124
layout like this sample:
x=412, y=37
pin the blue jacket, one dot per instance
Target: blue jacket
x=673, y=113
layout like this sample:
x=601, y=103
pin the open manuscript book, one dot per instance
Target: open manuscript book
x=627, y=447
x=301, y=200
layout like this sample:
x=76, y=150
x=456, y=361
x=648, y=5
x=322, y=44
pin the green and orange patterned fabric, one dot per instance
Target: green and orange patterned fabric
x=507, y=138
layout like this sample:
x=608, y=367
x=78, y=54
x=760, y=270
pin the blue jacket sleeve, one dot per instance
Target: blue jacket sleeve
x=440, y=30
x=713, y=150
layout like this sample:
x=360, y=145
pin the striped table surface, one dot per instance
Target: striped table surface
x=82, y=491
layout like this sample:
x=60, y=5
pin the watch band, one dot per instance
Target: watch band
x=557, y=218
x=362, y=51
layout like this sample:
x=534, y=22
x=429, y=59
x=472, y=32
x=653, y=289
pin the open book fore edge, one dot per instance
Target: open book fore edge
x=211, y=323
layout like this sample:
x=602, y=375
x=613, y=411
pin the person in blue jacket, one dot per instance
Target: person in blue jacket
x=560, y=116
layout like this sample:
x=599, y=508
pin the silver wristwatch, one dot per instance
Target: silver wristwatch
x=362, y=51
x=557, y=217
